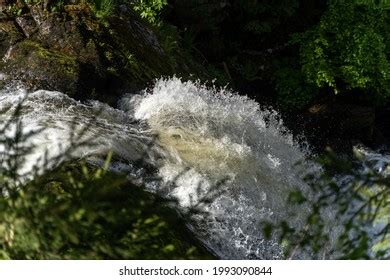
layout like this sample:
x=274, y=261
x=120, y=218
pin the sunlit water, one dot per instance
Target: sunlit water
x=201, y=142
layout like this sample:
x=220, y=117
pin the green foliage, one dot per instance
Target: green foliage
x=88, y=214
x=14, y=10
x=359, y=226
x=103, y=8
x=57, y=5
x=293, y=91
x=347, y=49
x=33, y=2
x=149, y=9
x=293, y=50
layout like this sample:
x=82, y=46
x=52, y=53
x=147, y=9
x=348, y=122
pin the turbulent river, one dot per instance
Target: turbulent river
x=210, y=149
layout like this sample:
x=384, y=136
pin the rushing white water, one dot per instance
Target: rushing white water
x=61, y=124
x=214, y=135
x=201, y=141
x=378, y=161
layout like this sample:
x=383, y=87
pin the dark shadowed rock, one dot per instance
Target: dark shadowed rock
x=38, y=67
x=75, y=52
x=340, y=125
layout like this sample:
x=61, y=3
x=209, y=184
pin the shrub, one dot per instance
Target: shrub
x=347, y=50
x=103, y=8
x=149, y=9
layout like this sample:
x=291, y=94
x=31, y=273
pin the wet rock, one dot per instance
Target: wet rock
x=383, y=124
x=340, y=125
x=27, y=25
x=37, y=67
x=9, y=36
x=74, y=51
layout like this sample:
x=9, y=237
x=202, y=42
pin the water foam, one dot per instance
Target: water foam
x=212, y=135
x=62, y=126
x=197, y=138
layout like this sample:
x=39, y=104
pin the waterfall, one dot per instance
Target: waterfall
x=201, y=141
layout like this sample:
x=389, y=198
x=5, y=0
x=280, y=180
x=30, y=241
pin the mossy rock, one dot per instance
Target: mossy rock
x=9, y=35
x=29, y=62
x=74, y=51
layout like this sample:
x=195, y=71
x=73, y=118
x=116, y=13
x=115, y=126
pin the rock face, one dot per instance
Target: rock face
x=74, y=51
x=340, y=126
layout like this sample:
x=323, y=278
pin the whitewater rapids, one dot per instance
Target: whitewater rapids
x=196, y=138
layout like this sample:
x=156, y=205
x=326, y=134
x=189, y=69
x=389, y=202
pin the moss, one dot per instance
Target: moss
x=88, y=57
x=37, y=66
